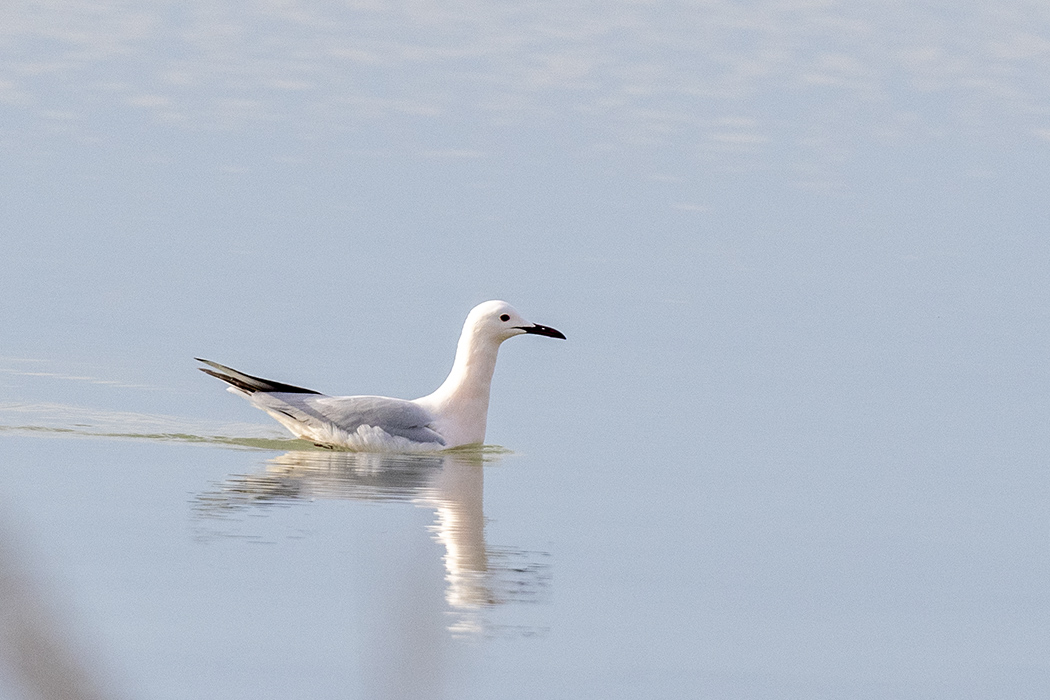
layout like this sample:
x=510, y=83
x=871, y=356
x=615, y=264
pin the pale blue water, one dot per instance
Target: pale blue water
x=795, y=445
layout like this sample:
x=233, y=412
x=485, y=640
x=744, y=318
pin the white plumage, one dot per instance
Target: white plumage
x=453, y=415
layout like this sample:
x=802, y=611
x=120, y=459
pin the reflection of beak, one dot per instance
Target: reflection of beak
x=543, y=330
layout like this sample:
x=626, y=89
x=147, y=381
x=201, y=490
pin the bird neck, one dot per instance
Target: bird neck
x=462, y=401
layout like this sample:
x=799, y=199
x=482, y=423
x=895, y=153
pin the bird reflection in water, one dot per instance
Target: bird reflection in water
x=451, y=483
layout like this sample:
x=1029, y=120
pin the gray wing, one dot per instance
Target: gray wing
x=395, y=416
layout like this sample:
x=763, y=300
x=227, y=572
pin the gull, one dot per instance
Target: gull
x=453, y=416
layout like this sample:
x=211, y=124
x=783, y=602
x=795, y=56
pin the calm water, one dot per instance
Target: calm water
x=796, y=443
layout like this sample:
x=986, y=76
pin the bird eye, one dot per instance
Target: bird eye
x=504, y=318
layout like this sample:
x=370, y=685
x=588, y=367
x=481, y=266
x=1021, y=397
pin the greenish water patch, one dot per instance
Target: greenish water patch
x=254, y=443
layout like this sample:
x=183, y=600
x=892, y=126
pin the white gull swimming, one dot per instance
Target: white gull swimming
x=453, y=415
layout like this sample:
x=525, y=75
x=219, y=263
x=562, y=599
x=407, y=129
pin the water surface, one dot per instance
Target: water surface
x=795, y=445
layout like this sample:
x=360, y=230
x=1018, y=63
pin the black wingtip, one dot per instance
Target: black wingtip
x=232, y=381
x=249, y=383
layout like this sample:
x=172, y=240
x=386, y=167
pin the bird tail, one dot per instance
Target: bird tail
x=249, y=384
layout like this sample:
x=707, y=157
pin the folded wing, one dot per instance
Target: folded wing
x=347, y=421
x=395, y=416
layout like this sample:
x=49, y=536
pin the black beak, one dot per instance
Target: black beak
x=543, y=330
